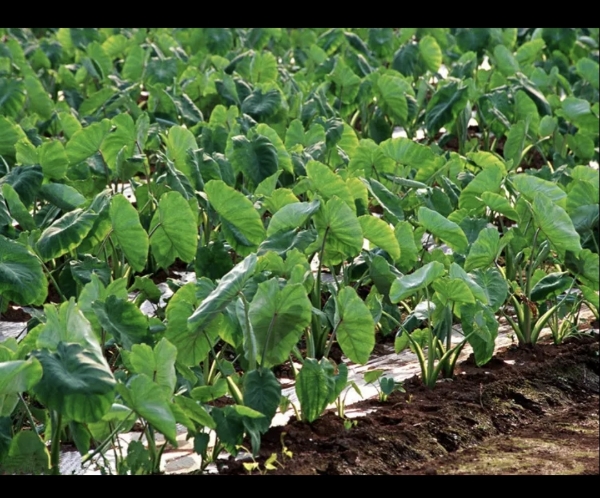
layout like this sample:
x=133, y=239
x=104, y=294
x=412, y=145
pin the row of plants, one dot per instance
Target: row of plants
x=249, y=155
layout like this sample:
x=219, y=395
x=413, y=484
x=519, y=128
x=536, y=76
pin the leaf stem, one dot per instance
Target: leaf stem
x=56, y=420
x=28, y=412
x=54, y=282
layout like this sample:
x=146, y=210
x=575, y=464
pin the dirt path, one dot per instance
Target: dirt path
x=527, y=412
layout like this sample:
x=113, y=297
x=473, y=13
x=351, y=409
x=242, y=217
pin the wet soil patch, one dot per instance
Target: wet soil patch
x=528, y=411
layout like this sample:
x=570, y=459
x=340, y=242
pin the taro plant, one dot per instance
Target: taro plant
x=385, y=385
x=267, y=161
x=544, y=226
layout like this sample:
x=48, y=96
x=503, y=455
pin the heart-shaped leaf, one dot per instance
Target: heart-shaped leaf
x=22, y=279
x=278, y=318
x=75, y=383
x=354, y=326
x=174, y=231
x=65, y=234
x=128, y=232
x=242, y=226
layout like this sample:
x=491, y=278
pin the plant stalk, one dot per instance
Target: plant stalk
x=56, y=420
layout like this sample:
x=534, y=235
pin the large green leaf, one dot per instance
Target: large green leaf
x=590, y=270
x=262, y=392
x=407, y=285
x=83, y=270
x=380, y=234
x=192, y=347
x=430, y=52
x=19, y=376
x=39, y=100
x=515, y=143
x=529, y=186
x=283, y=242
x=278, y=318
x=26, y=180
x=194, y=411
x=18, y=211
x=53, y=159
x=382, y=273
x=228, y=289
x=102, y=98
x=579, y=112
x=261, y=105
x=444, y=229
x=487, y=181
x=122, y=319
x=95, y=290
x=16, y=377
x=526, y=111
x=65, y=234
x=528, y=51
x=63, y=196
x=133, y=66
x=405, y=151
x=277, y=198
x=408, y=249
x=103, y=62
x=179, y=141
x=68, y=324
x=500, y=204
x=10, y=133
x=12, y=97
x=484, y=250
x=493, y=285
x=328, y=184
x=27, y=454
x=128, y=232
x=456, y=271
x=256, y=158
x=507, y=64
x=556, y=225
x=284, y=159
x=312, y=389
x=481, y=329
x=339, y=226
x=391, y=91
x=354, y=326
x=75, y=383
x=147, y=399
x=174, y=230
x=453, y=290
x=588, y=70
x=158, y=363
x=346, y=81
x=369, y=160
x=444, y=106
x=213, y=261
x=242, y=226
x=292, y=216
x=389, y=201
x=22, y=279
x=26, y=152
x=231, y=422
x=263, y=67
x=87, y=141
x=5, y=217
x=122, y=135
x=551, y=285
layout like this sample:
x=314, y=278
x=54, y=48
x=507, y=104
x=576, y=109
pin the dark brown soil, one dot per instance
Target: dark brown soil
x=529, y=411
x=14, y=314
